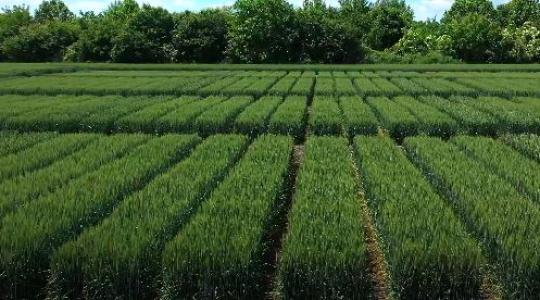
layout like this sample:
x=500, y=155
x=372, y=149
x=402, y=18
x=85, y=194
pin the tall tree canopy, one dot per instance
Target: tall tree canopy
x=461, y=8
x=273, y=31
x=390, y=19
x=143, y=38
x=53, y=10
x=201, y=37
x=518, y=12
x=263, y=31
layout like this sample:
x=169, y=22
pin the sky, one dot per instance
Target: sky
x=423, y=9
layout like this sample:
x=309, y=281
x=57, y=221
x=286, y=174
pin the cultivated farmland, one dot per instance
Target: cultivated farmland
x=269, y=182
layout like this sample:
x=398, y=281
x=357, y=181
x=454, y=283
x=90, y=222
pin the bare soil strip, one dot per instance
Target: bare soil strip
x=278, y=233
x=380, y=276
x=490, y=288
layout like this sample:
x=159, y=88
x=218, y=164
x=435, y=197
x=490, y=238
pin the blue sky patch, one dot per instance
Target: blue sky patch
x=423, y=9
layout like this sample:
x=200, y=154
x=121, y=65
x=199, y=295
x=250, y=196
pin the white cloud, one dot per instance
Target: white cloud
x=9, y=3
x=424, y=9
x=221, y=4
x=95, y=6
x=187, y=4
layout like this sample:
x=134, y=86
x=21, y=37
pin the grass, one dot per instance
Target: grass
x=500, y=217
x=429, y=251
x=219, y=253
x=358, y=116
x=325, y=204
x=92, y=208
x=42, y=154
x=122, y=255
x=26, y=244
x=528, y=144
x=254, y=119
x=326, y=117
x=13, y=142
x=7, y=67
x=32, y=186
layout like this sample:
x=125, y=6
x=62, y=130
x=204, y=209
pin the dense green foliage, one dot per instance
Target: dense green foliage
x=354, y=31
x=262, y=31
x=200, y=37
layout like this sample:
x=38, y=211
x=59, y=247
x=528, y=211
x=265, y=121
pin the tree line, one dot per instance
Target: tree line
x=273, y=31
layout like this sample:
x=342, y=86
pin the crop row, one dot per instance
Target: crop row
x=504, y=161
x=33, y=232
x=124, y=85
x=328, y=86
x=25, y=187
x=405, y=116
x=502, y=86
x=122, y=255
x=53, y=85
x=220, y=252
x=428, y=250
x=527, y=144
x=497, y=210
x=100, y=257
x=442, y=230
x=13, y=141
x=24, y=69
x=180, y=73
x=41, y=154
x=187, y=114
x=446, y=212
x=381, y=86
x=326, y=74
x=324, y=254
x=29, y=68
x=445, y=74
x=280, y=84
x=512, y=116
x=402, y=115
